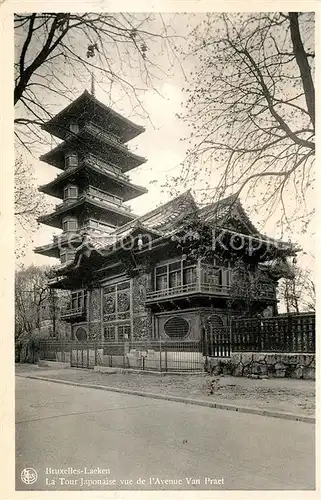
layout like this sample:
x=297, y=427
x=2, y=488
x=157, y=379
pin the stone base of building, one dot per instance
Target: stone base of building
x=285, y=365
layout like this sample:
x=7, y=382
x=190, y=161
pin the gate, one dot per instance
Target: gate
x=216, y=338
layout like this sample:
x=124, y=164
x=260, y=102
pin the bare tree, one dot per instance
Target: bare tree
x=251, y=108
x=56, y=51
x=28, y=203
x=31, y=296
x=298, y=294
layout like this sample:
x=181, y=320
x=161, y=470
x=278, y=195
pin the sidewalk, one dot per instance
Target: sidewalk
x=276, y=395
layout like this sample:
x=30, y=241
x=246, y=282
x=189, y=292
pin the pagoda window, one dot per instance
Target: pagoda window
x=66, y=256
x=74, y=127
x=70, y=224
x=71, y=160
x=70, y=192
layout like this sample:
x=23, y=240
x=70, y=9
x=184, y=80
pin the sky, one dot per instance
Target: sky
x=162, y=144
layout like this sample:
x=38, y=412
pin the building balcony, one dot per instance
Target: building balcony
x=73, y=314
x=97, y=130
x=105, y=166
x=205, y=289
x=100, y=195
x=65, y=237
x=187, y=289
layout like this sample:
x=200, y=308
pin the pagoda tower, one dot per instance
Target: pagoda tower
x=93, y=185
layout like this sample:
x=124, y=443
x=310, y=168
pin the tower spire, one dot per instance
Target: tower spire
x=92, y=85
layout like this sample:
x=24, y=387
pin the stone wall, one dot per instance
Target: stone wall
x=257, y=365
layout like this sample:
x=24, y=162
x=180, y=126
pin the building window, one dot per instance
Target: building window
x=109, y=333
x=71, y=160
x=189, y=275
x=70, y=192
x=74, y=127
x=161, y=278
x=81, y=334
x=66, y=256
x=78, y=300
x=212, y=275
x=175, y=274
x=123, y=333
x=70, y=224
x=117, y=333
x=177, y=327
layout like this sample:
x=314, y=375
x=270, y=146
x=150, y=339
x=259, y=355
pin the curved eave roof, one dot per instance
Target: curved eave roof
x=87, y=105
x=127, y=159
x=128, y=189
x=53, y=249
x=168, y=220
x=54, y=218
x=50, y=250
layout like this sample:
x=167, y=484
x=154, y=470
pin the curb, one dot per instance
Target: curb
x=178, y=399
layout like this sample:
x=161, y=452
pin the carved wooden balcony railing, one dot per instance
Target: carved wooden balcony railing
x=99, y=131
x=187, y=289
x=99, y=195
x=106, y=198
x=70, y=313
x=263, y=293
x=105, y=166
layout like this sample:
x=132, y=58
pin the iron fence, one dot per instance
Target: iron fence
x=154, y=355
x=284, y=333
x=293, y=333
x=55, y=350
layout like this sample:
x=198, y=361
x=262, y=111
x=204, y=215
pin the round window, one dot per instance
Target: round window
x=177, y=327
x=81, y=334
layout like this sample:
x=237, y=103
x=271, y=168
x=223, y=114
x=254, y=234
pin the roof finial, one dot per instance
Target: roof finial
x=93, y=85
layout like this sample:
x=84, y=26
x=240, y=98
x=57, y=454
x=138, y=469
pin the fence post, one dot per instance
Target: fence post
x=165, y=358
x=70, y=360
x=160, y=354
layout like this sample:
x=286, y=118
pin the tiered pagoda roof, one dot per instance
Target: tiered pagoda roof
x=94, y=159
x=90, y=166
x=83, y=109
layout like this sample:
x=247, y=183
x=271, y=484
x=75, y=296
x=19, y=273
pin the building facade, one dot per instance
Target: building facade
x=165, y=275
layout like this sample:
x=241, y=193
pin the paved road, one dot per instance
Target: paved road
x=139, y=439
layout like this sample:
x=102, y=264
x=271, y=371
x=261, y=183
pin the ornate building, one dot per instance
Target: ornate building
x=166, y=274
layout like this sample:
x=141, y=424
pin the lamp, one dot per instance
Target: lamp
x=140, y=242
